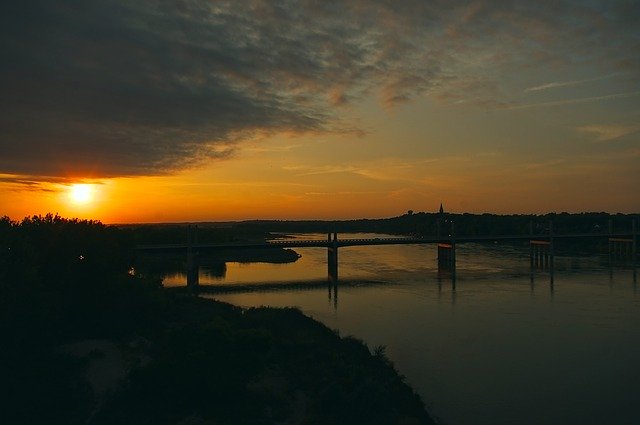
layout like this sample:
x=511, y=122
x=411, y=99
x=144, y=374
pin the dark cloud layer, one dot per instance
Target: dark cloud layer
x=112, y=88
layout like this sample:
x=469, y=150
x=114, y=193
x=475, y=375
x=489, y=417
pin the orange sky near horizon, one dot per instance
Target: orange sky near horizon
x=349, y=177
x=318, y=110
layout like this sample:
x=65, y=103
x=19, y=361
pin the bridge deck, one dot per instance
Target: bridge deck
x=324, y=243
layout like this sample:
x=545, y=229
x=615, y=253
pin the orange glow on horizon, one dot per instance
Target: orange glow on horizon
x=281, y=179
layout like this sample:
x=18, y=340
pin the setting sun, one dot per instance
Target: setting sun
x=81, y=193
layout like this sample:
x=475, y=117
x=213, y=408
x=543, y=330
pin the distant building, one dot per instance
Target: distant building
x=441, y=209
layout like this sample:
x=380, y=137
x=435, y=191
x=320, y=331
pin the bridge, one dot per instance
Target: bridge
x=327, y=243
x=541, y=247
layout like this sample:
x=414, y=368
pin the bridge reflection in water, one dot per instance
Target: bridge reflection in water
x=541, y=253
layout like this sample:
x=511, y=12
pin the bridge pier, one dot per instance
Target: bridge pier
x=634, y=249
x=634, y=236
x=541, y=255
x=332, y=258
x=446, y=257
x=552, y=266
x=193, y=277
x=622, y=249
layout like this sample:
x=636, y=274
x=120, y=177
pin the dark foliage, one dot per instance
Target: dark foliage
x=61, y=280
x=430, y=224
x=179, y=233
x=190, y=360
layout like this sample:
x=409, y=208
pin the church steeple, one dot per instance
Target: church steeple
x=441, y=209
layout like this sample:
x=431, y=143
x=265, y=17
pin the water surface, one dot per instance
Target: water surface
x=497, y=346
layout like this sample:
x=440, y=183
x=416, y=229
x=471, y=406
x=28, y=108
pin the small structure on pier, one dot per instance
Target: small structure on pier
x=447, y=252
x=540, y=255
x=447, y=257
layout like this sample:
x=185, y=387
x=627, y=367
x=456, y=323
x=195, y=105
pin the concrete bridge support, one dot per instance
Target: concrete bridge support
x=447, y=255
x=634, y=247
x=447, y=258
x=622, y=249
x=193, y=279
x=332, y=258
x=634, y=258
x=541, y=255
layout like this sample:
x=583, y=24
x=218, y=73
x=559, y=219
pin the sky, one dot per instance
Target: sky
x=164, y=111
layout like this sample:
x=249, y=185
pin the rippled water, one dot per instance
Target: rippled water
x=499, y=346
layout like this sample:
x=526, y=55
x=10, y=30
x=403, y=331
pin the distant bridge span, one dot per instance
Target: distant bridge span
x=541, y=248
x=340, y=243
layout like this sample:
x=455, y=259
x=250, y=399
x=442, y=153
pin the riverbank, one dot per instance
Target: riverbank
x=86, y=342
x=211, y=362
x=170, y=358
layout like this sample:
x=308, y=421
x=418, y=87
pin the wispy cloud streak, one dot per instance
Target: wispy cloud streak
x=573, y=101
x=560, y=84
x=604, y=133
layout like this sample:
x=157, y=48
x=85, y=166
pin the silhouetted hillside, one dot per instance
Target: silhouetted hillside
x=84, y=341
x=428, y=224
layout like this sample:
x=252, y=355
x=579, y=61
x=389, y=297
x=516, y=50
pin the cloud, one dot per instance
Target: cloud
x=141, y=88
x=343, y=193
x=35, y=183
x=265, y=149
x=559, y=84
x=603, y=133
x=560, y=102
x=120, y=88
x=303, y=170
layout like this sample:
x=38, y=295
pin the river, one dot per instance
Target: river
x=498, y=346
